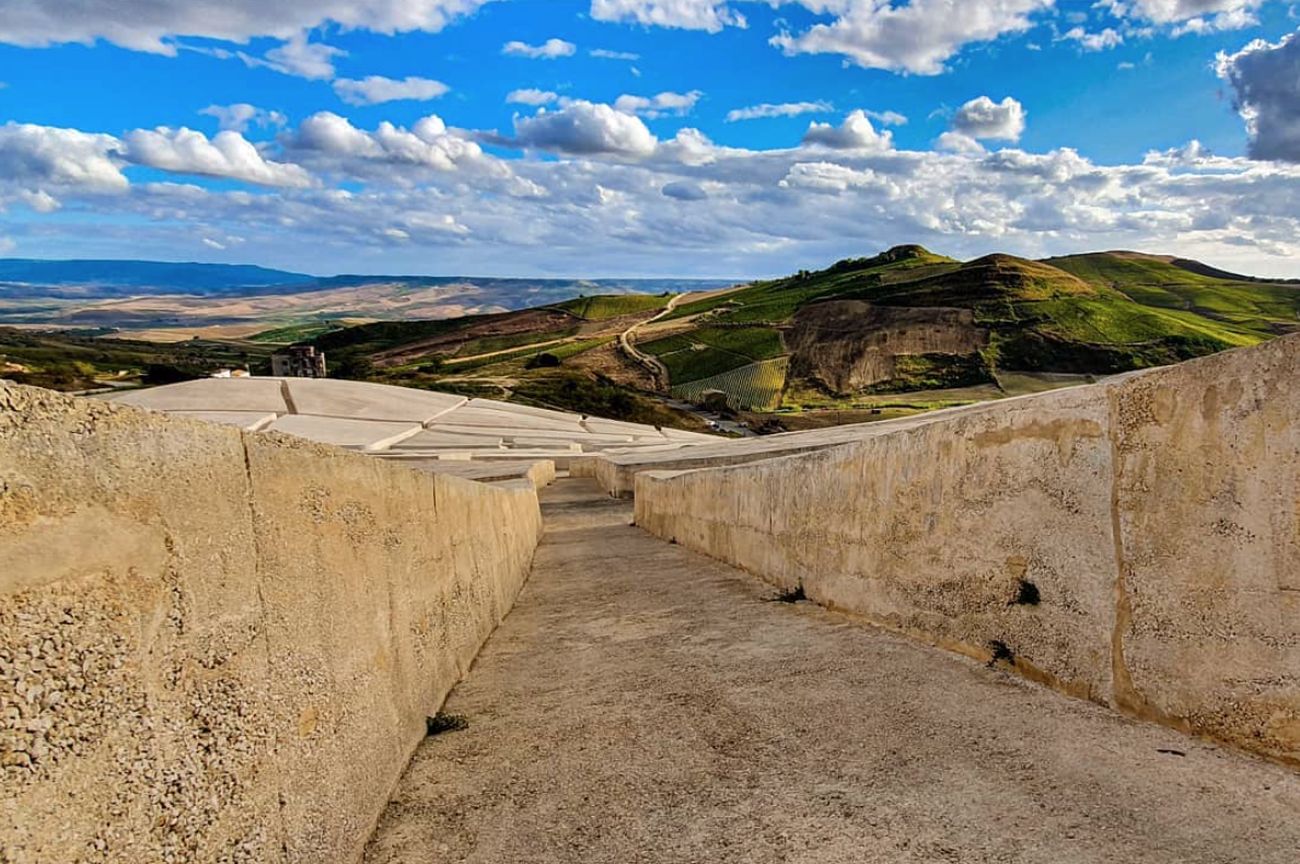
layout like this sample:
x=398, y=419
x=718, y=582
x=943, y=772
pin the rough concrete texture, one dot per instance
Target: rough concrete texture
x=251, y=421
x=221, y=647
x=660, y=711
x=1133, y=542
x=616, y=470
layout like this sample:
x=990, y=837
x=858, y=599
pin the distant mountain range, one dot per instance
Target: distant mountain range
x=103, y=278
x=138, y=295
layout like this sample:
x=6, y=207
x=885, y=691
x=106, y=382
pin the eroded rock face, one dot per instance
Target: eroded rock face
x=846, y=346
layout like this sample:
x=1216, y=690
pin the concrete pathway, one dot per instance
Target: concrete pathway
x=642, y=703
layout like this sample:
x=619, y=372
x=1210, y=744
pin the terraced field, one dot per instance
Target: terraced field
x=754, y=387
x=606, y=306
x=709, y=351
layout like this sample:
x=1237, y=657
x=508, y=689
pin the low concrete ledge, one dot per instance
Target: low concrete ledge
x=1135, y=542
x=221, y=647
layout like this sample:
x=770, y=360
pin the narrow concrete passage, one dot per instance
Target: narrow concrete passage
x=643, y=703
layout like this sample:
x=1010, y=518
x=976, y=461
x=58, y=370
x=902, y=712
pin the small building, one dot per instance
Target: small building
x=300, y=361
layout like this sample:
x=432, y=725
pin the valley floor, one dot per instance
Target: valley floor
x=643, y=703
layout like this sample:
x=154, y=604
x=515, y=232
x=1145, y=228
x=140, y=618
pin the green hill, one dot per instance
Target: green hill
x=890, y=323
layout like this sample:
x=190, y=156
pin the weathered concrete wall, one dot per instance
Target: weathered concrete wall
x=221, y=647
x=1135, y=542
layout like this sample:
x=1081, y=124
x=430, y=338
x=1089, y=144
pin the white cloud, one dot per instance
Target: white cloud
x=333, y=143
x=659, y=105
x=239, y=116
x=33, y=158
x=530, y=96
x=606, y=54
x=376, y=89
x=888, y=118
x=1094, y=41
x=585, y=128
x=917, y=37
x=782, y=109
x=1207, y=14
x=150, y=25
x=855, y=133
x=227, y=154
x=956, y=142
x=707, y=15
x=39, y=201
x=1265, y=78
x=984, y=118
x=551, y=49
x=300, y=57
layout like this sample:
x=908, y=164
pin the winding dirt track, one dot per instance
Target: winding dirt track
x=643, y=703
x=627, y=343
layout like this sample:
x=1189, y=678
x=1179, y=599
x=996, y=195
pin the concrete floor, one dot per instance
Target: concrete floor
x=642, y=703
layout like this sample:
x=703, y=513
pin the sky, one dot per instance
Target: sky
x=718, y=138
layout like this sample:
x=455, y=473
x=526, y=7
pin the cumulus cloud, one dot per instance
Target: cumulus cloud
x=551, y=49
x=33, y=158
x=1189, y=16
x=917, y=37
x=708, y=15
x=148, y=25
x=376, y=89
x=241, y=115
x=327, y=139
x=782, y=109
x=1265, y=79
x=227, y=154
x=530, y=96
x=659, y=105
x=585, y=128
x=984, y=118
x=855, y=133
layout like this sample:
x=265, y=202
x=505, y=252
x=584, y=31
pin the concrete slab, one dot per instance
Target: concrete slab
x=509, y=433
x=504, y=415
x=434, y=438
x=249, y=421
x=525, y=410
x=620, y=427
x=365, y=434
x=210, y=394
x=360, y=400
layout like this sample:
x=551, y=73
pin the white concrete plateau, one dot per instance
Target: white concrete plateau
x=408, y=425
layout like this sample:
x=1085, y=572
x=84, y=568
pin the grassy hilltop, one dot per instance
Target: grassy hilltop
x=865, y=338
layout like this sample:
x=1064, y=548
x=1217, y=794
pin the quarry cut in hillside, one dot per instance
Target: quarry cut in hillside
x=846, y=346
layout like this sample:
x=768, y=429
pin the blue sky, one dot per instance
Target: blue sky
x=647, y=137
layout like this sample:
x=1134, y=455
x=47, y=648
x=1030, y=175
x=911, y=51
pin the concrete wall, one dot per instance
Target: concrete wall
x=1156, y=516
x=221, y=647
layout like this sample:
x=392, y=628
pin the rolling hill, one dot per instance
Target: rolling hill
x=866, y=337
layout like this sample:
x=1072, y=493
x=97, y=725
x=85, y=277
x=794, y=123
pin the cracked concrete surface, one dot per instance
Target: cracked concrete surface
x=643, y=703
